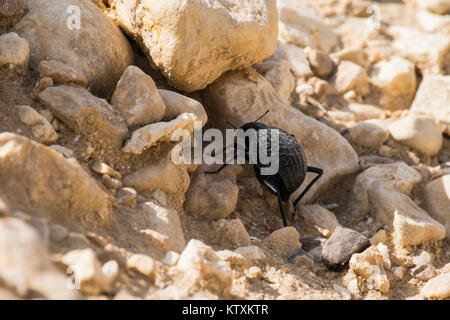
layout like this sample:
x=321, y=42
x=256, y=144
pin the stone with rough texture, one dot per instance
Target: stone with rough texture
x=431, y=22
x=418, y=132
x=161, y=174
x=87, y=271
x=436, y=6
x=251, y=253
x=321, y=63
x=433, y=99
x=437, y=201
x=11, y=11
x=231, y=233
x=239, y=97
x=41, y=129
x=283, y=241
x=366, y=111
x=25, y=264
x=177, y=104
x=137, y=98
x=61, y=73
x=166, y=222
x=195, y=42
x=396, y=80
x=368, y=134
x=437, y=288
x=98, y=48
x=430, y=51
x=412, y=225
x=319, y=218
x=355, y=55
x=210, y=195
x=299, y=62
x=38, y=178
x=142, y=264
x=146, y=137
x=86, y=114
x=302, y=26
x=342, y=244
x=350, y=76
x=369, y=264
x=203, y=267
x=14, y=54
x=398, y=175
x=277, y=70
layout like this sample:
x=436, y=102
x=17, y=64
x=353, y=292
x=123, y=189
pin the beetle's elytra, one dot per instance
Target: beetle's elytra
x=292, y=164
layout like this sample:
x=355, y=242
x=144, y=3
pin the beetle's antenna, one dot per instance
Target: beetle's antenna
x=230, y=124
x=262, y=115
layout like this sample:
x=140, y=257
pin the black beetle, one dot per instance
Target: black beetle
x=292, y=164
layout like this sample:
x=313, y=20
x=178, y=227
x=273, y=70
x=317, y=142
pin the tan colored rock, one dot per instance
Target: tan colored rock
x=101, y=55
x=137, y=98
x=283, y=241
x=86, y=114
x=161, y=174
x=321, y=63
x=231, y=233
x=166, y=222
x=37, y=177
x=299, y=62
x=41, y=129
x=355, y=55
x=202, y=267
x=418, y=132
x=350, y=76
x=437, y=288
x=368, y=134
x=436, y=6
x=142, y=264
x=177, y=104
x=433, y=99
x=127, y=196
x=369, y=264
x=146, y=137
x=437, y=201
x=379, y=237
x=61, y=73
x=303, y=26
x=396, y=80
x=87, y=271
x=428, y=50
x=431, y=22
x=111, y=270
x=25, y=265
x=366, y=111
x=399, y=176
x=251, y=253
x=186, y=40
x=213, y=196
x=277, y=70
x=14, y=54
x=235, y=98
x=102, y=168
x=11, y=11
x=319, y=218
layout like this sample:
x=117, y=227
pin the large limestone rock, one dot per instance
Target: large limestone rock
x=25, y=265
x=437, y=201
x=302, y=26
x=433, y=98
x=97, y=47
x=14, y=54
x=40, y=180
x=241, y=97
x=194, y=42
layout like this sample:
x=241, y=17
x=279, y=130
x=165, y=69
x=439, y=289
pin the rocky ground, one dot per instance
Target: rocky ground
x=92, y=207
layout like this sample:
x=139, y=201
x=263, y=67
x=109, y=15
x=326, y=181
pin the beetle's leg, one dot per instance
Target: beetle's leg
x=226, y=164
x=319, y=173
x=276, y=192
